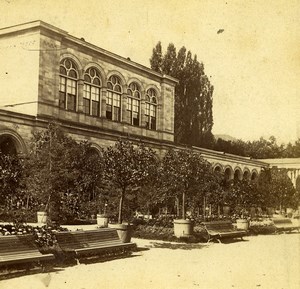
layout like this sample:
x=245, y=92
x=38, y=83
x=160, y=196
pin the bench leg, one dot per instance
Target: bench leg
x=77, y=261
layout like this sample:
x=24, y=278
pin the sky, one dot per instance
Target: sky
x=254, y=64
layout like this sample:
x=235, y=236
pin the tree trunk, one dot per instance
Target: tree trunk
x=183, y=205
x=120, y=218
x=177, y=207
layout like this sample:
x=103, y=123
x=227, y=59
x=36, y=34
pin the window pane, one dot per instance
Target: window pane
x=87, y=91
x=96, y=81
x=71, y=102
x=87, y=78
x=95, y=93
x=108, y=111
x=129, y=103
x=72, y=73
x=95, y=108
x=70, y=86
x=86, y=105
x=152, y=110
x=136, y=105
x=62, y=100
x=62, y=70
x=153, y=123
x=116, y=100
x=118, y=88
x=109, y=86
x=135, y=119
x=109, y=98
x=116, y=113
x=62, y=84
x=147, y=109
x=130, y=116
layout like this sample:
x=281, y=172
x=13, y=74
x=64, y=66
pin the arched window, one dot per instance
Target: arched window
x=151, y=109
x=133, y=103
x=113, y=98
x=68, y=84
x=91, y=92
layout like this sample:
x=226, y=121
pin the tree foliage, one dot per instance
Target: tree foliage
x=186, y=175
x=277, y=189
x=259, y=149
x=11, y=174
x=193, y=94
x=62, y=174
x=126, y=168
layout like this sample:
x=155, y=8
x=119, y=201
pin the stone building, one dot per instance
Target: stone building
x=48, y=75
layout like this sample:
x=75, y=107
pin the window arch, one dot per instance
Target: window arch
x=91, y=92
x=133, y=103
x=68, y=76
x=151, y=109
x=113, y=98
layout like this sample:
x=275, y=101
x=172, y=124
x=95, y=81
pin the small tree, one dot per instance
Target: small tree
x=282, y=192
x=11, y=173
x=243, y=194
x=61, y=173
x=126, y=168
x=276, y=189
x=184, y=174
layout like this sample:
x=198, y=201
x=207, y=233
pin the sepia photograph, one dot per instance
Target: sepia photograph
x=150, y=144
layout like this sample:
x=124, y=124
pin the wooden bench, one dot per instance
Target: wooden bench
x=284, y=224
x=91, y=242
x=18, y=249
x=216, y=230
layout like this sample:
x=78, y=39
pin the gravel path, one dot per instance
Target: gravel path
x=270, y=262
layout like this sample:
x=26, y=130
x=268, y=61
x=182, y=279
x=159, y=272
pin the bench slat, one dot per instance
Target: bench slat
x=20, y=249
x=222, y=229
x=284, y=224
x=91, y=242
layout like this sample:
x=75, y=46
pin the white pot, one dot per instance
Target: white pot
x=42, y=217
x=242, y=224
x=102, y=221
x=183, y=228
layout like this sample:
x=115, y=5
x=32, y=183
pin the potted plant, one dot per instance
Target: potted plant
x=102, y=219
x=243, y=220
x=184, y=175
x=126, y=167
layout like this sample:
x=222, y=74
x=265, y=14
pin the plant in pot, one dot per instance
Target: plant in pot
x=61, y=173
x=183, y=172
x=126, y=167
x=244, y=195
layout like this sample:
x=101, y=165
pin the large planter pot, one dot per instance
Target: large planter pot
x=102, y=221
x=270, y=211
x=124, y=231
x=289, y=212
x=252, y=211
x=242, y=224
x=226, y=210
x=42, y=217
x=183, y=228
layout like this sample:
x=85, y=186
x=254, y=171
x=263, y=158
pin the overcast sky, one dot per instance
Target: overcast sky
x=254, y=64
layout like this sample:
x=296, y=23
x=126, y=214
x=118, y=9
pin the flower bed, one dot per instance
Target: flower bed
x=263, y=226
x=162, y=229
x=44, y=236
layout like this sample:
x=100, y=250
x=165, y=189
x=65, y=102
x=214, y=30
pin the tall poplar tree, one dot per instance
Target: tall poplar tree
x=193, y=94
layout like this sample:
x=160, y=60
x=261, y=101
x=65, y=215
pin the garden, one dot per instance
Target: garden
x=73, y=183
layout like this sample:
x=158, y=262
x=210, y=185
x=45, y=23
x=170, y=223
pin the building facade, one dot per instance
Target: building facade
x=95, y=95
